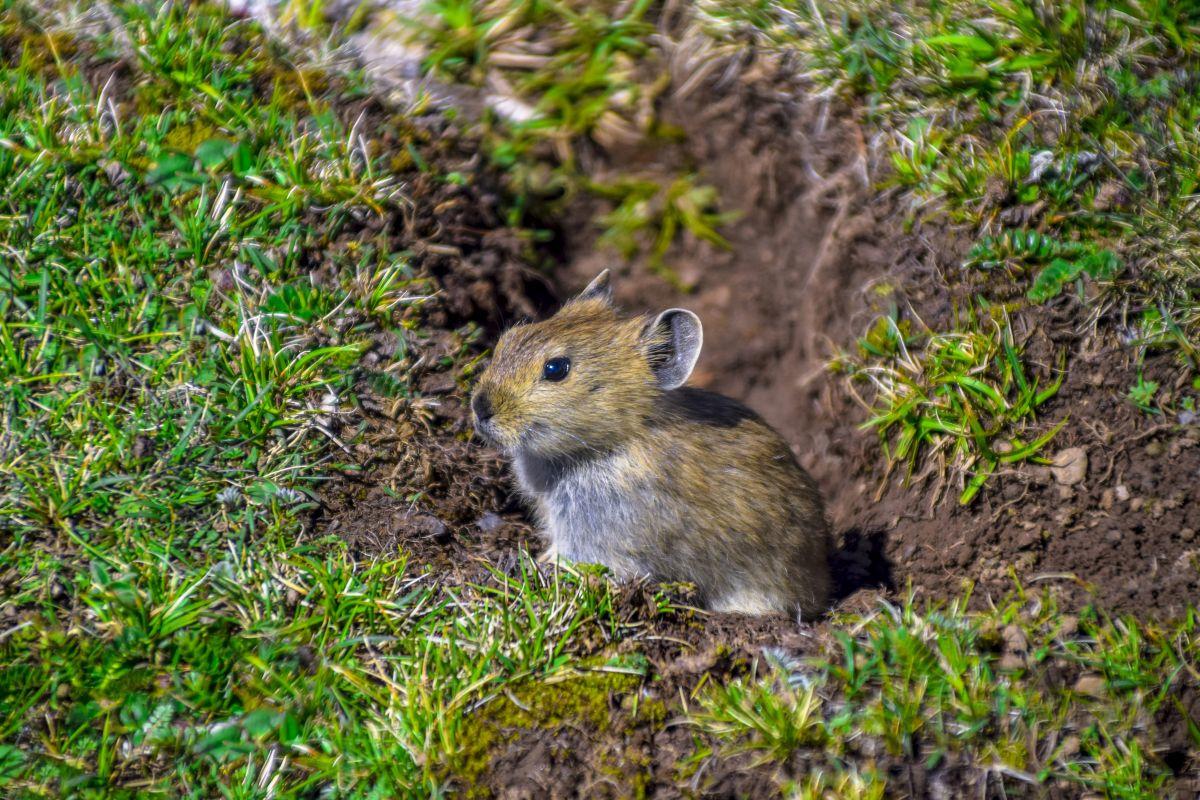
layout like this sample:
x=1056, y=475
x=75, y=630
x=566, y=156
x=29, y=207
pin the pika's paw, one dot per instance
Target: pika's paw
x=745, y=601
x=550, y=556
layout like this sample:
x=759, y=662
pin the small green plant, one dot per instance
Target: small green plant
x=1058, y=263
x=774, y=716
x=649, y=216
x=1142, y=394
x=959, y=399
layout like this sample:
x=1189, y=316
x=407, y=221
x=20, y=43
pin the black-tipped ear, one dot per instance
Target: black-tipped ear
x=598, y=289
x=673, y=341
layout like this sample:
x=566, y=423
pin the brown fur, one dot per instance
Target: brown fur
x=649, y=479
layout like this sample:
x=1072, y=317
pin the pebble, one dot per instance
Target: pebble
x=1010, y=662
x=1122, y=492
x=1070, y=466
x=1090, y=684
x=1015, y=643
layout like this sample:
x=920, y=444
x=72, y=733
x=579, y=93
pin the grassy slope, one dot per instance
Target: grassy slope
x=172, y=382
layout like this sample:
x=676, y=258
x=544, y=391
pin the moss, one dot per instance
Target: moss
x=592, y=701
x=35, y=50
x=188, y=136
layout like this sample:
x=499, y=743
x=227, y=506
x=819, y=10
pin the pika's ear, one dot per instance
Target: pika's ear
x=598, y=289
x=672, y=344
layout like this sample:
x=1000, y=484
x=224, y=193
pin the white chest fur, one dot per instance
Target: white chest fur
x=592, y=511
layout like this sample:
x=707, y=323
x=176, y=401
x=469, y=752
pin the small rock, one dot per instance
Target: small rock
x=1016, y=648
x=1069, y=747
x=1014, y=638
x=1068, y=625
x=1136, y=503
x=1041, y=164
x=694, y=663
x=1029, y=538
x=489, y=522
x=1155, y=449
x=1121, y=492
x=1010, y=662
x=1090, y=684
x=1187, y=534
x=1106, y=499
x=1114, y=536
x=427, y=526
x=1070, y=466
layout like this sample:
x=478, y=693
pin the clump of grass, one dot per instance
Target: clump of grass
x=962, y=400
x=778, y=717
x=574, y=65
x=1057, y=263
x=647, y=210
x=927, y=681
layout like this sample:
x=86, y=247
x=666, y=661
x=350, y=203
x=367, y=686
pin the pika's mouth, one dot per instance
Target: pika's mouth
x=486, y=430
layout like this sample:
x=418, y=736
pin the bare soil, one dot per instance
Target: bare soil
x=812, y=245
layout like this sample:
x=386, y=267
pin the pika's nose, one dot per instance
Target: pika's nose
x=481, y=404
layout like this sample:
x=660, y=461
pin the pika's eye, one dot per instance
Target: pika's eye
x=556, y=369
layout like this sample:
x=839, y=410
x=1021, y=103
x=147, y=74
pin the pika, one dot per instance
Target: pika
x=627, y=467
